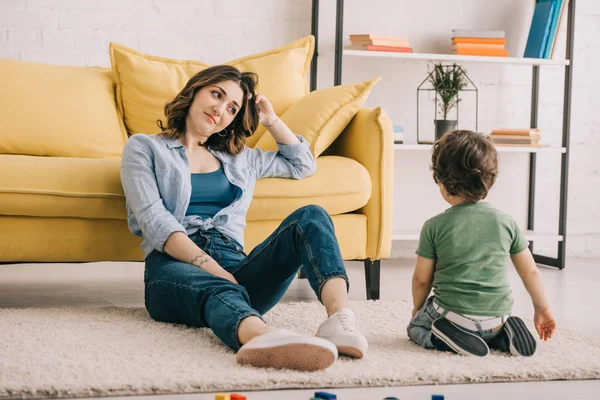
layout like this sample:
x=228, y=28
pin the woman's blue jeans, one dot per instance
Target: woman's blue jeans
x=182, y=293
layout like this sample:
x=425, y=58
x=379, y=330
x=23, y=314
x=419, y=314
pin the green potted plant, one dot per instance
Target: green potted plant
x=448, y=81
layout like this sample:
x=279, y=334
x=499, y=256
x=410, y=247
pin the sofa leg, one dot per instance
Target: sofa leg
x=372, y=275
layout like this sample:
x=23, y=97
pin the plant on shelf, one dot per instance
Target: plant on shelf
x=448, y=81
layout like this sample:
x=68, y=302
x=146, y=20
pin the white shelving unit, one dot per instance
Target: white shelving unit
x=372, y=267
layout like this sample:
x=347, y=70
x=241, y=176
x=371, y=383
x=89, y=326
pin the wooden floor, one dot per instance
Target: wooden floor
x=572, y=293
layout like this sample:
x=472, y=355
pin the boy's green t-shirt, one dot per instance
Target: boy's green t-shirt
x=471, y=243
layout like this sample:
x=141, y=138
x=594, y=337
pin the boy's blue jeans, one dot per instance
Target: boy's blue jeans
x=419, y=329
x=182, y=293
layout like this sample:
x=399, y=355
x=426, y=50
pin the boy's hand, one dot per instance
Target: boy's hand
x=544, y=323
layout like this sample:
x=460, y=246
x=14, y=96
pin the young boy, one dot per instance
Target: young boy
x=462, y=253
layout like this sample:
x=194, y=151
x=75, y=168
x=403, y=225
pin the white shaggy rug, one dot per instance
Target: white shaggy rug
x=78, y=352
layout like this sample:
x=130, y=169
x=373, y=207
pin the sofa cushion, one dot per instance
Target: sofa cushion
x=91, y=188
x=58, y=111
x=61, y=187
x=145, y=82
x=321, y=116
x=340, y=185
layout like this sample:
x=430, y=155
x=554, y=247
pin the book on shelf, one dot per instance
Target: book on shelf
x=520, y=137
x=370, y=47
x=516, y=138
x=472, y=33
x=516, y=131
x=477, y=40
x=482, y=52
x=371, y=36
x=477, y=46
x=562, y=15
x=398, y=134
x=521, y=145
x=522, y=142
x=401, y=42
x=370, y=42
x=541, y=27
x=479, y=43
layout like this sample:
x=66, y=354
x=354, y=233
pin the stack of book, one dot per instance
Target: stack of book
x=516, y=137
x=545, y=25
x=479, y=43
x=371, y=42
x=398, y=134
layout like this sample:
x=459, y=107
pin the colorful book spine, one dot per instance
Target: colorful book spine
x=370, y=36
x=381, y=42
x=477, y=46
x=512, y=131
x=540, y=29
x=471, y=33
x=478, y=40
x=380, y=48
x=483, y=52
x=561, y=17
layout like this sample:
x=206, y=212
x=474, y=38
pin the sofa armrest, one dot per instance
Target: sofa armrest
x=368, y=139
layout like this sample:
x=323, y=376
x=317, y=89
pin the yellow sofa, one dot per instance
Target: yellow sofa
x=61, y=199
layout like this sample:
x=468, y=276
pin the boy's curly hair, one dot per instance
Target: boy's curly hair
x=466, y=163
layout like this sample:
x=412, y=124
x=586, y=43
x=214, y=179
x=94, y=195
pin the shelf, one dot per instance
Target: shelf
x=455, y=57
x=500, y=149
x=529, y=235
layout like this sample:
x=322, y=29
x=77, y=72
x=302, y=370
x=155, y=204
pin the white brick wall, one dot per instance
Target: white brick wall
x=77, y=32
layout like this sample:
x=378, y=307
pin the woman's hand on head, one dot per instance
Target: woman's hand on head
x=266, y=114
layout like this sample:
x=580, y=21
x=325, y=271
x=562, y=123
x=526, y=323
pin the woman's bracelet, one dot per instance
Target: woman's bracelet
x=272, y=123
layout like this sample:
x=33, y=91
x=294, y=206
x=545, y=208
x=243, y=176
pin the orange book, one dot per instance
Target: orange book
x=524, y=138
x=469, y=46
x=382, y=42
x=520, y=132
x=520, y=145
x=370, y=47
x=478, y=40
x=370, y=36
x=482, y=52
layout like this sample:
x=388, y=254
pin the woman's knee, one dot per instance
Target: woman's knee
x=313, y=214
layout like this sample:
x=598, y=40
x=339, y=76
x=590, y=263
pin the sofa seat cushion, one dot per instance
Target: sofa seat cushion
x=340, y=185
x=91, y=188
x=61, y=187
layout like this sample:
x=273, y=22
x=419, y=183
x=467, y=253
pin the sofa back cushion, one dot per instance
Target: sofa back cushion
x=145, y=82
x=58, y=111
x=321, y=116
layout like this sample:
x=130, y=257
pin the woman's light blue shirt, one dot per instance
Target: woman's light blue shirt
x=156, y=180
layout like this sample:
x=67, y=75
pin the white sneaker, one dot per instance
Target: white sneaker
x=286, y=349
x=341, y=330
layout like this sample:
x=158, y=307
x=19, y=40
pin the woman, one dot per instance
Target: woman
x=188, y=190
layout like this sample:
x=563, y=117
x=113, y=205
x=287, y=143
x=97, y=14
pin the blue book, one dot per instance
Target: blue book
x=540, y=29
x=553, y=27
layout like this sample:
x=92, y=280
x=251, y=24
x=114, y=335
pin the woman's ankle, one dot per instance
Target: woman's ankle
x=251, y=327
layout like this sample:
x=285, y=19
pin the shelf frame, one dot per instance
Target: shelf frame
x=372, y=267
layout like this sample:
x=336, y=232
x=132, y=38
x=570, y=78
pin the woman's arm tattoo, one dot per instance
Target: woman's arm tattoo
x=201, y=259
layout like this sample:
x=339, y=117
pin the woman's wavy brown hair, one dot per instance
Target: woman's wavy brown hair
x=466, y=163
x=244, y=123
